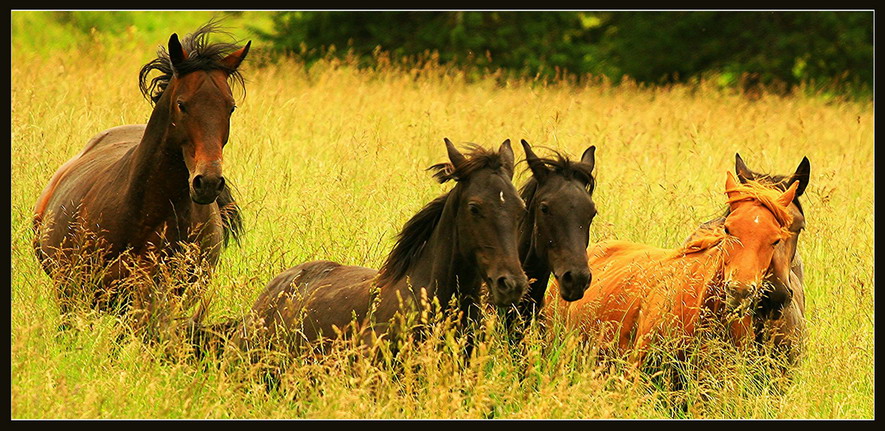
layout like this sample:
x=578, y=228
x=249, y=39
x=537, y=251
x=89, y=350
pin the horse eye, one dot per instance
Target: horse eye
x=181, y=106
x=233, y=108
x=544, y=208
x=776, y=243
x=474, y=208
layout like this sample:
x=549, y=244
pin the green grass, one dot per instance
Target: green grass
x=328, y=163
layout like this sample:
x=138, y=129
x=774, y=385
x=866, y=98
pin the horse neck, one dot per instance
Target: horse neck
x=535, y=268
x=440, y=269
x=157, y=173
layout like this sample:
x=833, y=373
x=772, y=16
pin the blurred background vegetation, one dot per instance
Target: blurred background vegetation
x=828, y=52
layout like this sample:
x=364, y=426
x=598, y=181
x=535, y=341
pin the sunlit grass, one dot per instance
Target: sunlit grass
x=329, y=163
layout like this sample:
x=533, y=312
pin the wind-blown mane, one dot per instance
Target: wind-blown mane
x=477, y=158
x=417, y=231
x=563, y=166
x=201, y=55
x=712, y=233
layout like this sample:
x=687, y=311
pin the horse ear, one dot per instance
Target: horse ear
x=233, y=60
x=802, y=175
x=731, y=185
x=788, y=195
x=507, y=157
x=589, y=157
x=455, y=156
x=743, y=172
x=539, y=169
x=176, y=51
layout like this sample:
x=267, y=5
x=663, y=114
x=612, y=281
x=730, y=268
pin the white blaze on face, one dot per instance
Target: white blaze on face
x=502, y=196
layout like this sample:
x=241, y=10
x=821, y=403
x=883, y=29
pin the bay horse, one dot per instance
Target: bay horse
x=777, y=321
x=149, y=188
x=643, y=295
x=446, y=252
x=554, y=235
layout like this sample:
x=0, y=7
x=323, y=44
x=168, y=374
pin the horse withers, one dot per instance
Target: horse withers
x=448, y=251
x=138, y=194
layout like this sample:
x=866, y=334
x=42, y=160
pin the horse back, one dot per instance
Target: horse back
x=310, y=301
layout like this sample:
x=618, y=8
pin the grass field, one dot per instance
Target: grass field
x=328, y=163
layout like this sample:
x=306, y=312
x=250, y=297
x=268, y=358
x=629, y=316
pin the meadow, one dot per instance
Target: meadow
x=328, y=162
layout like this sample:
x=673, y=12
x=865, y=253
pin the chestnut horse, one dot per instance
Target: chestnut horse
x=780, y=321
x=154, y=189
x=641, y=295
x=554, y=235
x=456, y=243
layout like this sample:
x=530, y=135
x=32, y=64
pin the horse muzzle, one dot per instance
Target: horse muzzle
x=204, y=189
x=573, y=284
x=507, y=289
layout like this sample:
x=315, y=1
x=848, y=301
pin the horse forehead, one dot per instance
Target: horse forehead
x=204, y=83
x=756, y=217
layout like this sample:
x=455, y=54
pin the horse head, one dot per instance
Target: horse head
x=487, y=210
x=194, y=93
x=560, y=212
x=757, y=224
x=787, y=248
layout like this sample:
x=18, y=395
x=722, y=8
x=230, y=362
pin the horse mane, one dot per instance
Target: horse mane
x=417, y=231
x=411, y=240
x=201, y=55
x=562, y=166
x=779, y=182
x=712, y=233
x=477, y=158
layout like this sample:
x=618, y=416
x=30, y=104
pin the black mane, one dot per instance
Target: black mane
x=564, y=167
x=477, y=158
x=201, y=55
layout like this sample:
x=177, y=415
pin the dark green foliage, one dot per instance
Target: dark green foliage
x=778, y=50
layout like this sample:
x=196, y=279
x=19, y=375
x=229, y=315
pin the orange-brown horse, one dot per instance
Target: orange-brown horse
x=641, y=295
x=154, y=189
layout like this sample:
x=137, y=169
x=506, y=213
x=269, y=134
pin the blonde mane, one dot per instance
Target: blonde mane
x=707, y=237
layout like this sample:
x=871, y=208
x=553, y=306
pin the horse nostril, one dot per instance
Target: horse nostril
x=198, y=182
x=567, y=277
x=221, y=184
x=502, y=283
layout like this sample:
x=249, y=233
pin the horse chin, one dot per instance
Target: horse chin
x=203, y=200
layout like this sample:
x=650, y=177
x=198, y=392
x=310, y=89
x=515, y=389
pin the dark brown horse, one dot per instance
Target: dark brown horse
x=155, y=189
x=642, y=295
x=447, y=251
x=554, y=235
x=780, y=315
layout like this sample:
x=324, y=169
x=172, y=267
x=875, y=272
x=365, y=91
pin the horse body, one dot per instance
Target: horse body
x=642, y=294
x=140, y=189
x=454, y=245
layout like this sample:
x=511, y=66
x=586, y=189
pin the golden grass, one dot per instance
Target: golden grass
x=329, y=163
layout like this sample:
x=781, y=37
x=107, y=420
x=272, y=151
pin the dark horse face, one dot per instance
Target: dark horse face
x=562, y=209
x=200, y=104
x=777, y=277
x=487, y=216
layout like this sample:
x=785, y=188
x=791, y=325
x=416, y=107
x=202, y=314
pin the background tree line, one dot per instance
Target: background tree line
x=831, y=50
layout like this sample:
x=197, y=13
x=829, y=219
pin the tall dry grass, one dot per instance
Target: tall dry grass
x=328, y=163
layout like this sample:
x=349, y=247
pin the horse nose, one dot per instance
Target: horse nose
x=206, y=188
x=573, y=284
x=510, y=288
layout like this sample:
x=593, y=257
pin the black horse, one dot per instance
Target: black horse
x=554, y=235
x=448, y=250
